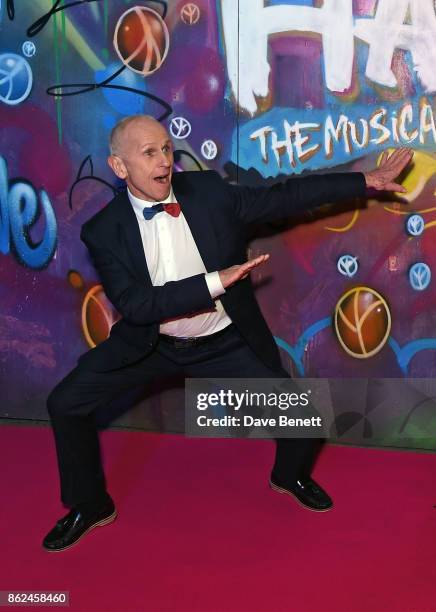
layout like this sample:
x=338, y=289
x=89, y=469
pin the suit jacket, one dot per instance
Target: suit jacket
x=217, y=214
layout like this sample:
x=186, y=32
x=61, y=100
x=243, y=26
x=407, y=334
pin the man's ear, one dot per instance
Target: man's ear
x=117, y=165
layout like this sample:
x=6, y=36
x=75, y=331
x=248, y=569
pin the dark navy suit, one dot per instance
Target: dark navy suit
x=218, y=215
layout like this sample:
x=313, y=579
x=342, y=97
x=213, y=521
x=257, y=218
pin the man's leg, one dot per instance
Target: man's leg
x=231, y=357
x=71, y=406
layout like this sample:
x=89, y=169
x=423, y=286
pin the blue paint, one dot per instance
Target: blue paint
x=20, y=208
x=124, y=102
x=296, y=352
x=109, y=121
x=404, y=354
x=291, y=352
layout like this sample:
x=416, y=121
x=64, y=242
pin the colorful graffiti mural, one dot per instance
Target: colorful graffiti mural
x=257, y=90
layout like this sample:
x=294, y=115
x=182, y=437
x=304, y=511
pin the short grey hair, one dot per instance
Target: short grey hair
x=118, y=129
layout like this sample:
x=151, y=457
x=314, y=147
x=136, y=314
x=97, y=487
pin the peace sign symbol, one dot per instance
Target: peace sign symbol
x=209, y=150
x=180, y=128
x=420, y=276
x=347, y=265
x=415, y=225
x=190, y=13
x=16, y=78
x=28, y=48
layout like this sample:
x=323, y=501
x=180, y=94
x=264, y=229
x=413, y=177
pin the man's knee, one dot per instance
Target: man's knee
x=57, y=401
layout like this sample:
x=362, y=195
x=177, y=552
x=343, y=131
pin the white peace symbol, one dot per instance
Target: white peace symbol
x=209, y=150
x=15, y=64
x=415, y=225
x=190, y=13
x=347, y=265
x=420, y=276
x=180, y=128
x=28, y=48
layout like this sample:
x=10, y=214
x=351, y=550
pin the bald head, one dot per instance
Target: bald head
x=124, y=131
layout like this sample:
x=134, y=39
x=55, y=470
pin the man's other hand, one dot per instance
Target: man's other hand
x=391, y=166
x=231, y=275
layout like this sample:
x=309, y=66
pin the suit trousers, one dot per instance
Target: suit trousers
x=73, y=402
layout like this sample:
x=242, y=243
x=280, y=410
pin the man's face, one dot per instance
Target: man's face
x=144, y=159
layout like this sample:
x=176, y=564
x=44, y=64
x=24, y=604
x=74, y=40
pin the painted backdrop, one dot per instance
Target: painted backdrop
x=257, y=90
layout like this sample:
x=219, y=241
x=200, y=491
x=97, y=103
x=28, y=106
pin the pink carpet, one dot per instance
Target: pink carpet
x=215, y=537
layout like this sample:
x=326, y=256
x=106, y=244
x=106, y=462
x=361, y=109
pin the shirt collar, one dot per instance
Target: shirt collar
x=139, y=205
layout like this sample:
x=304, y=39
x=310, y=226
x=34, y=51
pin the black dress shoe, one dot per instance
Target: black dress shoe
x=307, y=492
x=72, y=527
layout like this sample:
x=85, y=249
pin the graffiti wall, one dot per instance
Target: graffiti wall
x=257, y=90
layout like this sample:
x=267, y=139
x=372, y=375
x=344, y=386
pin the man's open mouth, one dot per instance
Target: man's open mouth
x=162, y=179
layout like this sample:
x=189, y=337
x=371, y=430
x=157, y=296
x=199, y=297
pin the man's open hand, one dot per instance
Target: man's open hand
x=391, y=166
x=231, y=275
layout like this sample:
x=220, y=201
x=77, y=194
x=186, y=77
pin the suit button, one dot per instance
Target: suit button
x=150, y=344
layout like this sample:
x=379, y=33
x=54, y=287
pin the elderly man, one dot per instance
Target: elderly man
x=171, y=255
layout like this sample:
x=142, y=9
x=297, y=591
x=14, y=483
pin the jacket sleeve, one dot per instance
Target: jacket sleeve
x=294, y=196
x=139, y=304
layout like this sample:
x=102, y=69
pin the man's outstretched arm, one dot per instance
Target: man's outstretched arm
x=297, y=195
x=139, y=304
x=142, y=305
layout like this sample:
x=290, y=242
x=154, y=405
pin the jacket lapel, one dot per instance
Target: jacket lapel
x=132, y=236
x=199, y=219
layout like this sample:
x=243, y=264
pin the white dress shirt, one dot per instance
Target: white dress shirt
x=171, y=255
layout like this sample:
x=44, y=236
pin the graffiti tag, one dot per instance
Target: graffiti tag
x=278, y=140
x=409, y=25
x=20, y=208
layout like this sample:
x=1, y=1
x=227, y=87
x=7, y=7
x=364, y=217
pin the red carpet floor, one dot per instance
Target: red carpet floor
x=214, y=537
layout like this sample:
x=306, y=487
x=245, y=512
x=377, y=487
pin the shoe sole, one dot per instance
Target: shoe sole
x=275, y=487
x=102, y=523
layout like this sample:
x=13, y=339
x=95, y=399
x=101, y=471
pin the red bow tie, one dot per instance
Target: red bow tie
x=172, y=209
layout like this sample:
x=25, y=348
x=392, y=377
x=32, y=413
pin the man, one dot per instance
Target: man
x=171, y=255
